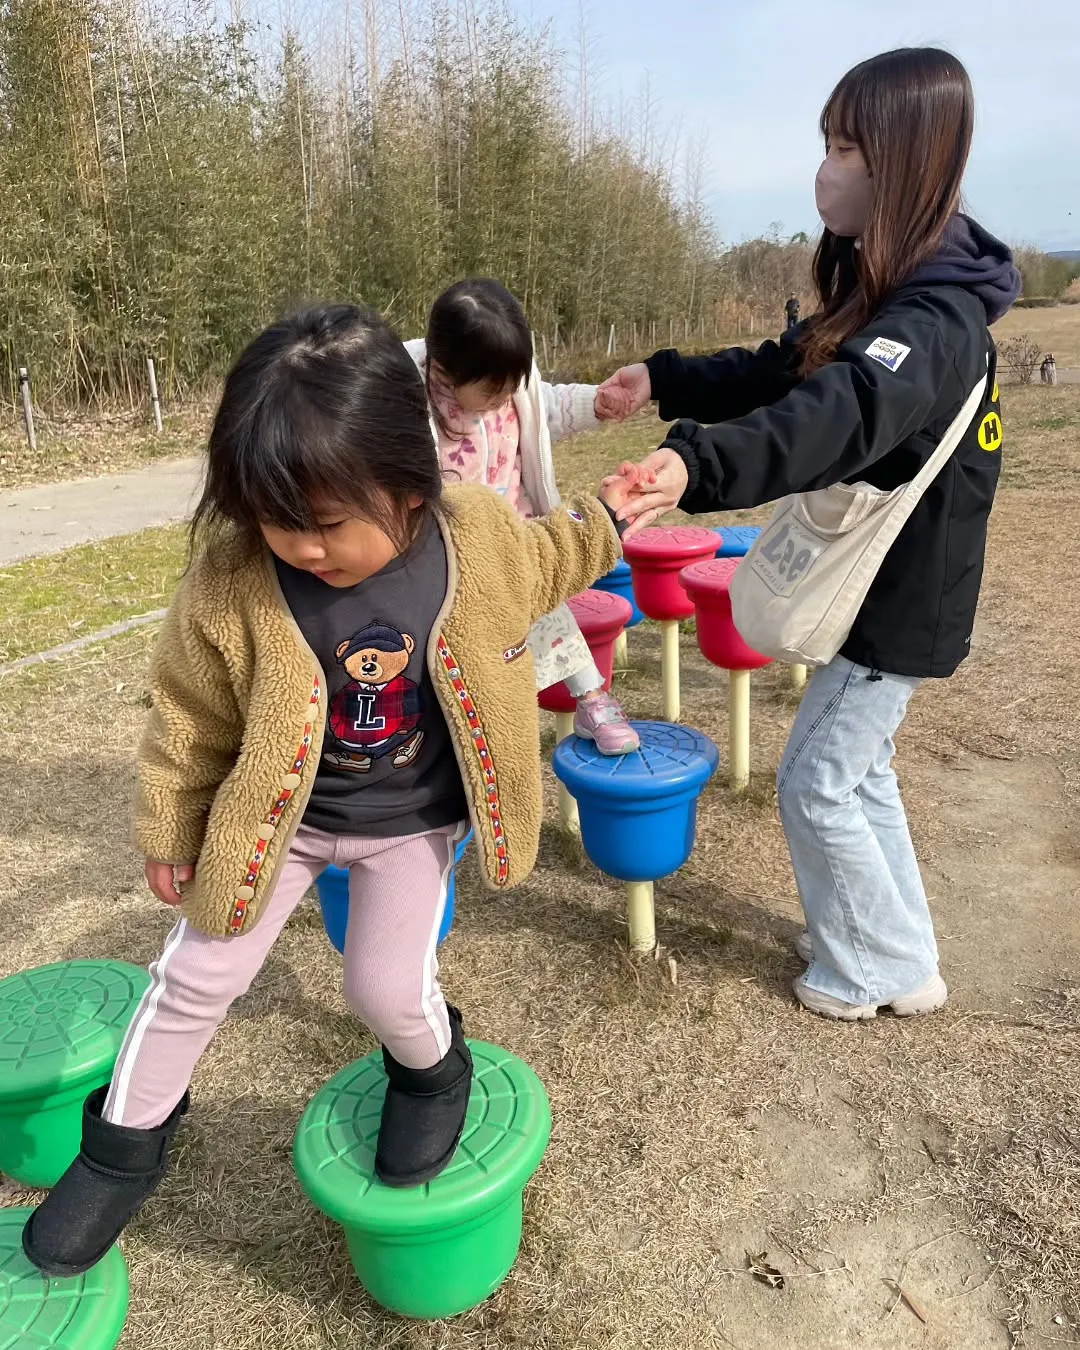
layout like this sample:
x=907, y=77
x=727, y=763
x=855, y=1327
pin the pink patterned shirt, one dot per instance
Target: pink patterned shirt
x=482, y=449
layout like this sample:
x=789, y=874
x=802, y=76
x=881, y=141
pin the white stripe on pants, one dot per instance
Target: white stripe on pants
x=397, y=895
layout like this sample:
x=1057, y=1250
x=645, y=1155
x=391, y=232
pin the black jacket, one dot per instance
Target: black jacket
x=874, y=414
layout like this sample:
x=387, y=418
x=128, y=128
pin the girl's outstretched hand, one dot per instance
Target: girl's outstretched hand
x=650, y=489
x=632, y=381
x=164, y=878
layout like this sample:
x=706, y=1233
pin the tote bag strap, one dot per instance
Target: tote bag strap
x=952, y=438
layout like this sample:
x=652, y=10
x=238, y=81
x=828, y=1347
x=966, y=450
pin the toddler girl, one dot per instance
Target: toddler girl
x=495, y=421
x=337, y=681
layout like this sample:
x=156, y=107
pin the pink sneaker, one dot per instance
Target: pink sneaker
x=601, y=719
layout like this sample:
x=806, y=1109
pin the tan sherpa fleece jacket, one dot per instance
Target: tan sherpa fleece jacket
x=233, y=740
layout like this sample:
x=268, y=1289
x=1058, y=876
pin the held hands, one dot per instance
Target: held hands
x=628, y=391
x=641, y=493
x=165, y=878
x=612, y=404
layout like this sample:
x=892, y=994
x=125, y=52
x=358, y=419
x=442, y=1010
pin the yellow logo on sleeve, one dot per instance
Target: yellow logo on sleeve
x=990, y=432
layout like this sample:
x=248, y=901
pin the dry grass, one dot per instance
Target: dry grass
x=69, y=446
x=694, y=1121
x=1056, y=329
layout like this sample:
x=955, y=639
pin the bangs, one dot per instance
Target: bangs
x=291, y=464
x=493, y=353
x=840, y=118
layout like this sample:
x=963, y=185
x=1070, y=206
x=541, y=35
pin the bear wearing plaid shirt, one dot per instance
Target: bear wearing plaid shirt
x=378, y=712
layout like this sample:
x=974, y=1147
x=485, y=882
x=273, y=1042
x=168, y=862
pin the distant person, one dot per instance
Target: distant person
x=1048, y=369
x=333, y=683
x=495, y=422
x=791, y=310
x=863, y=391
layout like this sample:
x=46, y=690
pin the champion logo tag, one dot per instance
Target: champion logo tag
x=576, y=515
x=512, y=653
x=887, y=353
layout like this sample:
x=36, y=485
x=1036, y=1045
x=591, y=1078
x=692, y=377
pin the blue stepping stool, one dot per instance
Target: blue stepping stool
x=333, y=892
x=37, y=1313
x=736, y=541
x=619, y=581
x=639, y=813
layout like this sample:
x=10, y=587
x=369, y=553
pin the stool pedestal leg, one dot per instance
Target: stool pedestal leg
x=568, y=811
x=669, y=668
x=641, y=913
x=798, y=678
x=739, y=728
x=622, y=659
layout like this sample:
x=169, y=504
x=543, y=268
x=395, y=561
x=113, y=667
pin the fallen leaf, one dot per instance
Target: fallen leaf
x=761, y=1270
x=912, y=1302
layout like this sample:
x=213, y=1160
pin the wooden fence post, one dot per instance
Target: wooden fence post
x=28, y=407
x=155, y=402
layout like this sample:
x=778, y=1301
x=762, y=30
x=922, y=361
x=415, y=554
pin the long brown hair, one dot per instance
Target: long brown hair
x=911, y=112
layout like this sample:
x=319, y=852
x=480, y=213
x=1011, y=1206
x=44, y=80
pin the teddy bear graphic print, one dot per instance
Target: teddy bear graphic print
x=388, y=767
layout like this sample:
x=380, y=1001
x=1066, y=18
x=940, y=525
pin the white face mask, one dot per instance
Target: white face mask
x=844, y=194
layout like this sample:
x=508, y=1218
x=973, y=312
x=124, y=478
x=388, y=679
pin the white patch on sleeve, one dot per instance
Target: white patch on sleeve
x=887, y=353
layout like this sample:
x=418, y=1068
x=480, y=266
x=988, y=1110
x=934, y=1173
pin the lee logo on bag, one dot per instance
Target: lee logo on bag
x=785, y=554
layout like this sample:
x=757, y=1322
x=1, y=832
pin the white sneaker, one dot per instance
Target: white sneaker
x=927, y=999
x=803, y=950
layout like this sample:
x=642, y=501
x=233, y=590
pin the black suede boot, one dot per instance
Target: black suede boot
x=116, y=1172
x=424, y=1113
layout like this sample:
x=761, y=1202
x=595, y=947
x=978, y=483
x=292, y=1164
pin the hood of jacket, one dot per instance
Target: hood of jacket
x=971, y=257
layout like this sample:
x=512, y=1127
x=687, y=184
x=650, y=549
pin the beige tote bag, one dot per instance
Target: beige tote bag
x=798, y=591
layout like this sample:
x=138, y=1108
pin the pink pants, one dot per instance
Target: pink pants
x=397, y=894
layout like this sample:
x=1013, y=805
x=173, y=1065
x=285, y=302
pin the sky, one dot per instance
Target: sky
x=749, y=78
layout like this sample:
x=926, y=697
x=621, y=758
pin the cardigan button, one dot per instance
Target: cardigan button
x=245, y=893
x=267, y=831
x=290, y=782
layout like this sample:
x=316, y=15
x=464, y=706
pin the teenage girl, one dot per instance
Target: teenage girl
x=863, y=391
x=337, y=681
x=496, y=420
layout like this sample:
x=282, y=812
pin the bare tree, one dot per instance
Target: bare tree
x=1021, y=354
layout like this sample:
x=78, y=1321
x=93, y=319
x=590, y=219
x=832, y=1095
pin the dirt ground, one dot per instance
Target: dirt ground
x=700, y=1121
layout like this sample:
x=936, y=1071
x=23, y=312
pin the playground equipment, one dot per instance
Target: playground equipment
x=38, y=1313
x=332, y=889
x=438, y=1249
x=656, y=557
x=61, y=1027
x=708, y=584
x=601, y=616
x=736, y=541
x=639, y=813
x=620, y=581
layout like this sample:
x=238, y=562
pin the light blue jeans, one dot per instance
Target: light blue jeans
x=870, y=927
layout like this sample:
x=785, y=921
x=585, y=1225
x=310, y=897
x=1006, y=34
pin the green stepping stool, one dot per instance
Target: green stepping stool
x=438, y=1249
x=61, y=1028
x=85, y=1313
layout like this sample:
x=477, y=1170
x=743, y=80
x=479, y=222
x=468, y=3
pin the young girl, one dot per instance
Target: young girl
x=495, y=421
x=863, y=391
x=337, y=680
